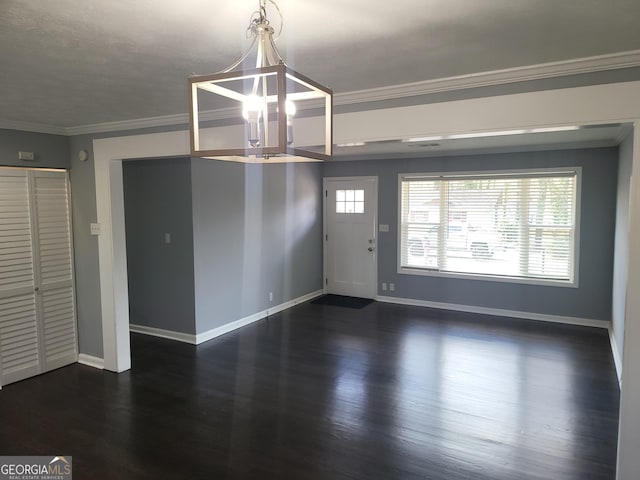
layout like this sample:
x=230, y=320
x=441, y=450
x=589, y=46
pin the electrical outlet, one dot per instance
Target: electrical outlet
x=384, y=286
x=271, y=296
x=392, y=287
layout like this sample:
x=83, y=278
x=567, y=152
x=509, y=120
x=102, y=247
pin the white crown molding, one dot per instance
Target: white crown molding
x=149, y=122
x=577, y=66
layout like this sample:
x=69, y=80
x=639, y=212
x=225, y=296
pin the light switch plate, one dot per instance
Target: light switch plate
x=383, y=227
x=95, y=229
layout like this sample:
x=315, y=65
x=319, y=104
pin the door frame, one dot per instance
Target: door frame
x=325, y=266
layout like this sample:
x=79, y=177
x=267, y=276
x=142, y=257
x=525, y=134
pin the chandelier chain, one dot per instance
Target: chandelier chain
x=258, y=23
x=259, y=17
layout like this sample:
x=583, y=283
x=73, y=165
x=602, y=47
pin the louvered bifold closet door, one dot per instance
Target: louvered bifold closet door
x=54, y=268
x=19, y=348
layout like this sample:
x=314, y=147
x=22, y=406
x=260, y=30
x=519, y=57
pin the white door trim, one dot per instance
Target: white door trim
x=325, y=268
x=629, y=423
x=108, y=154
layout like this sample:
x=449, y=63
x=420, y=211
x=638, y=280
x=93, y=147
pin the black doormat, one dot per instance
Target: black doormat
x=341, y=301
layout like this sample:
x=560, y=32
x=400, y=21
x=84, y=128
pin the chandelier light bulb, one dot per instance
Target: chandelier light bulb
x=290, y=108
x=252, y=108
x=252, y=111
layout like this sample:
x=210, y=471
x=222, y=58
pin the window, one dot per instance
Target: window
x=349, y=201
x=512, y=225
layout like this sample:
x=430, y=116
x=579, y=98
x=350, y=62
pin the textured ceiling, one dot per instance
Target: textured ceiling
x=70, y=62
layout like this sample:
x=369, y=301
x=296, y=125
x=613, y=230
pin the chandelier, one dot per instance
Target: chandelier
x=260, y=107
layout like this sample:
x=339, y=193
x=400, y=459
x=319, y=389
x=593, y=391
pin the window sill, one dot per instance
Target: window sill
x=488, y=278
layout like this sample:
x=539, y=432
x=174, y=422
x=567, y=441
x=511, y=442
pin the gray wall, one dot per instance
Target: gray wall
x=593, y=297
x=54, y=151
x=157, y=201
x=85, y=245
x=83, y=198
x=257, y=229
x=50, y=151
x=84, y=201
x=621, y=256
x=301, y=272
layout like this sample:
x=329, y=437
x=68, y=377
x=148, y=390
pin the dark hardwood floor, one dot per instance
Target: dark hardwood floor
x=323, y=392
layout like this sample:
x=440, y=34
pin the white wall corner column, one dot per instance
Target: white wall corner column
x=114, y=296
x=629, y=425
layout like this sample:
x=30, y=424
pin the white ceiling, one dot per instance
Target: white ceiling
x=68, y=63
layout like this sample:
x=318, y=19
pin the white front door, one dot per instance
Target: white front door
x=350, y=206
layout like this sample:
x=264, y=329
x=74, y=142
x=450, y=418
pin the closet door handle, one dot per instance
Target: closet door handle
x=37, y=289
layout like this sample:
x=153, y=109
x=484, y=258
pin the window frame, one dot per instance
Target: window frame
x=573, y=282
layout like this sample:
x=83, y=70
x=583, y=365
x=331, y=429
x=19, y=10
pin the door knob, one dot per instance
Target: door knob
x=370, y=249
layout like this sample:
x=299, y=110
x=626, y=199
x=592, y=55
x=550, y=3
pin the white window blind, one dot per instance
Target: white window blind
x=517, y=225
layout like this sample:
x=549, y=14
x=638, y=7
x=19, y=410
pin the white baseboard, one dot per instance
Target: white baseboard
x=159, y=332
x=617, y=359
x=585, y=322
x=229, y=327
x=91, y=361
x=226, y=328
